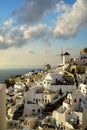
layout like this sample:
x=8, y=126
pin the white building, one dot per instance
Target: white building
x=19, y=86
x=66, y=58
x=83, y=57
x=41, y=95
x=83, y=89
x=36, y=98
x=30, y=122
x=31, y=109
x=71, y=114
x=82, y=77
x=76, y=100
x=2, y=106
x=51, y=78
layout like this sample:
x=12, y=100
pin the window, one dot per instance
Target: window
x=69, y=113
x=38, y=110
x=36, y=100
x=74, y=100
x=45, y=96
x=10, y=124
x=45, y=100
x=33, y=112
x=28, y=102
x=80, y=100
x=45, y=92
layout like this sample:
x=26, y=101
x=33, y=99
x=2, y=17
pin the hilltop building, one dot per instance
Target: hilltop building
x=47, y=67
x=83, y=56
x=79, y=65
x=82, y=60
x=66, y=58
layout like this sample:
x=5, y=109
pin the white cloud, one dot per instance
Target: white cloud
x=1, y=39
x=62, y=7
x=70, y=21
x=20, y=35
x=9, y=22
x=36, y=32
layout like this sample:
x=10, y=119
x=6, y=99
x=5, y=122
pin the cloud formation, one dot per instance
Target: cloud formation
x=9, y=22
x=20, y=35
x=33, y=10
x=71, y=20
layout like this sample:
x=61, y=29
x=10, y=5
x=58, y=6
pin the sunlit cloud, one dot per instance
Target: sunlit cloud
x=71, y=20
x=20, y=35
x=29, y=37
x=9, y=22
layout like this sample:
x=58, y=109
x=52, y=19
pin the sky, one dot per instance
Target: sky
x=33, y=32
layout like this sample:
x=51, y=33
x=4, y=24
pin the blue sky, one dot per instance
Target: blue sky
x=32, y=32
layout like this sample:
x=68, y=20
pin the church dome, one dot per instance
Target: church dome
x=83, y=51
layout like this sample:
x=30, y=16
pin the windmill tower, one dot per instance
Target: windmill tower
x=66, y=58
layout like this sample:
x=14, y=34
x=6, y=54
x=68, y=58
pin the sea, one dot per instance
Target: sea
x=5, y=73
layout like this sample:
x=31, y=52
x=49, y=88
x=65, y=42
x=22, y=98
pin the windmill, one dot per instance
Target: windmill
x=61, y=55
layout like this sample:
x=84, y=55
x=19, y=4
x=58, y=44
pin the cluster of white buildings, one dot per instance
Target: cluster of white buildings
x=44, y=92
x=71, y=115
